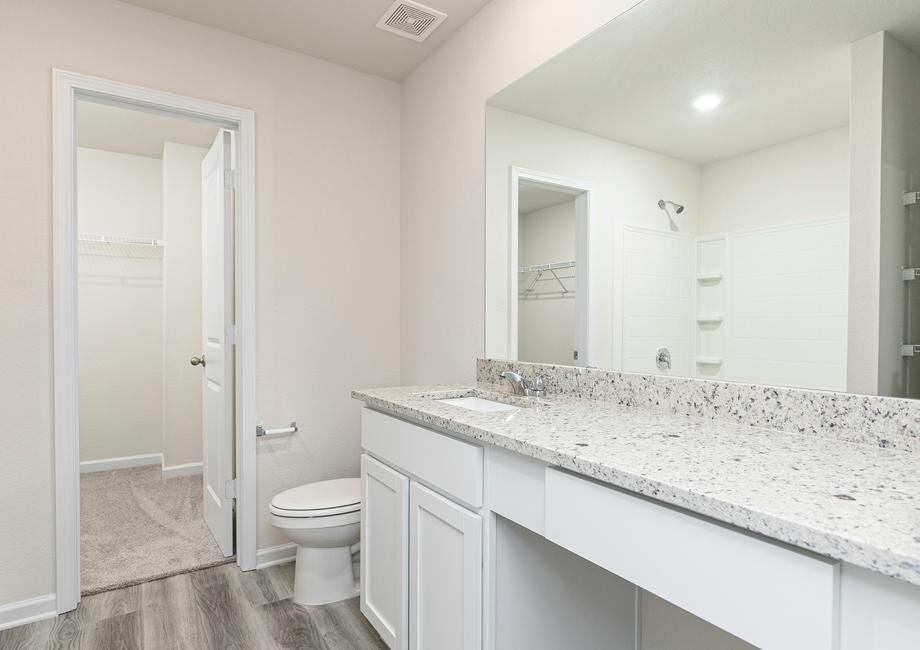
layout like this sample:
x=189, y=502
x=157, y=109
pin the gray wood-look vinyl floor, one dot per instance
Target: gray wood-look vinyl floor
x=221, y=608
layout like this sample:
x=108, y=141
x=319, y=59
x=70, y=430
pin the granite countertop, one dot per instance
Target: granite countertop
x=852, y=502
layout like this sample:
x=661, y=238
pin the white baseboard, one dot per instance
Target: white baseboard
x=266, y=557
x=188, y=469
x=120, y=463
x=28, y=611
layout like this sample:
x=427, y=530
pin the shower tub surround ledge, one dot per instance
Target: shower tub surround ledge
x=856, y=503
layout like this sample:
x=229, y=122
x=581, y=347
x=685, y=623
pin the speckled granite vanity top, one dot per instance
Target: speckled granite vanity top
x=852, y=502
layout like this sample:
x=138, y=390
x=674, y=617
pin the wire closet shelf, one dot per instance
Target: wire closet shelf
x=556, y=274
x=119, y=246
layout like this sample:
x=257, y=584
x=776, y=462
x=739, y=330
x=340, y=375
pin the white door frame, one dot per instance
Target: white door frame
x=583, y=191
x=67, y=87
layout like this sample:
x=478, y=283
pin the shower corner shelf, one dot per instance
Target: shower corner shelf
x=709, y=318
x=709, y=361
x=910, y=274
x=910, y=350
x=715, y=276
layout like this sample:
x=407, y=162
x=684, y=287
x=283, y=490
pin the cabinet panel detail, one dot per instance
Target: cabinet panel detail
x=384, y=551
x=445, y=573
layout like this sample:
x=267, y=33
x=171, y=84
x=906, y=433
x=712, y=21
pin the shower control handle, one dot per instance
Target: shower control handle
x=197, y=361
x=663, y=359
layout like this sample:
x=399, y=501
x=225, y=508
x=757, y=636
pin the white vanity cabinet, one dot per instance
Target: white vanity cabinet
x=421, y=529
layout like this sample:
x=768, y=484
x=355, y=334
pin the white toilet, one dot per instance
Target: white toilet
x=324, y=520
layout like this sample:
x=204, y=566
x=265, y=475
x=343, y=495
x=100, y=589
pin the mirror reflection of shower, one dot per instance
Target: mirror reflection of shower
x=678, y=208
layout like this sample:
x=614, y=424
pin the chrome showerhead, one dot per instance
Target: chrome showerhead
x=678, y=208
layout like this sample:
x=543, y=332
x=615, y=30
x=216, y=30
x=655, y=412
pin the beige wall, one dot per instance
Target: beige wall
x=800, y=180
x=182, y=338
x=443, y=171
x=327, y=151
x=121, y=321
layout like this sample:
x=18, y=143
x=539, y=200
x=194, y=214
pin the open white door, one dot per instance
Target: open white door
x=217, y=320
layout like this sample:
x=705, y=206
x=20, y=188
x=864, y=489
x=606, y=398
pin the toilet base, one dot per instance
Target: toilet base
x=323, y=575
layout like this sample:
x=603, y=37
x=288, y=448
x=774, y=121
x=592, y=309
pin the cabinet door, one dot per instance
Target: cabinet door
x=384, y=551
x=445, y=573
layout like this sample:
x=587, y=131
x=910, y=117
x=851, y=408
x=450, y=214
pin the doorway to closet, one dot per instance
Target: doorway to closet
x=154, y=300
x=230, y=412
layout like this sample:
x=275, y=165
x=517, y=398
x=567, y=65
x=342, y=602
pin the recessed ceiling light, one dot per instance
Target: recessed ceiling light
x=707, y=102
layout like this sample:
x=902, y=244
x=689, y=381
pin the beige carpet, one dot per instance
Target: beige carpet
x=135, y=526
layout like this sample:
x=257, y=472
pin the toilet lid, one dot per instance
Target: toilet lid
x=321, y=498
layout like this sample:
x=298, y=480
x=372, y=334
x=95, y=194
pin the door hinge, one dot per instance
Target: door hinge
x=229, y=179
x=230, y=489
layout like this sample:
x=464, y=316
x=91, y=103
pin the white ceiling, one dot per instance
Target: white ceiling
x=534, y=197
x=112, y=128
x=782, y=65
x=341, y=31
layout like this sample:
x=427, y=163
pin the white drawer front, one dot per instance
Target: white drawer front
x=516, y=488
x=765, y=593
x=448, y=464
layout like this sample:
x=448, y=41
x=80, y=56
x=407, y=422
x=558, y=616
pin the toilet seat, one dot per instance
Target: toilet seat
x=320, y=499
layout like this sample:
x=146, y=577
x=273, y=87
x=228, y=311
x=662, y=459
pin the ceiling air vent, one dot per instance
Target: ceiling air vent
x=411, y=19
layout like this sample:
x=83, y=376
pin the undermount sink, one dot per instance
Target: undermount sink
x=478, y=404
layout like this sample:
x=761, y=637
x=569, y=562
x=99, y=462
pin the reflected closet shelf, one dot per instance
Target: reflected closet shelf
x=119, y=246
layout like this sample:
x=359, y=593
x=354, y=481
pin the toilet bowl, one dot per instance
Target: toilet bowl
x=324, y=520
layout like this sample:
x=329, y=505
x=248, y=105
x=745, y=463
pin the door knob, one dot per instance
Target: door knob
x=197, y=361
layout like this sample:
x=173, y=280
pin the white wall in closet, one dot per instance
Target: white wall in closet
x=120, y=307
x=546, y=318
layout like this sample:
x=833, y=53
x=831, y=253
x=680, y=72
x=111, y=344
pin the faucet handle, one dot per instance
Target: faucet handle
x=536, y=387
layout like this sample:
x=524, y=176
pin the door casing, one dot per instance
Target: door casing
x=583, y=193
x=67, y=88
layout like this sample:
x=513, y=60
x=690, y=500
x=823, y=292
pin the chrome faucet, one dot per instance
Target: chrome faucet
x=524, y=387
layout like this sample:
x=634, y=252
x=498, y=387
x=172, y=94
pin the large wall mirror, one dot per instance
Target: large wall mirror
x=722, y=189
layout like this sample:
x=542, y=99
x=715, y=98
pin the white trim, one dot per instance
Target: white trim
x=66, y=86
x=27, y=611
x=175, y=471
x=121, y=462
x=583, y=191
x=266, y=557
